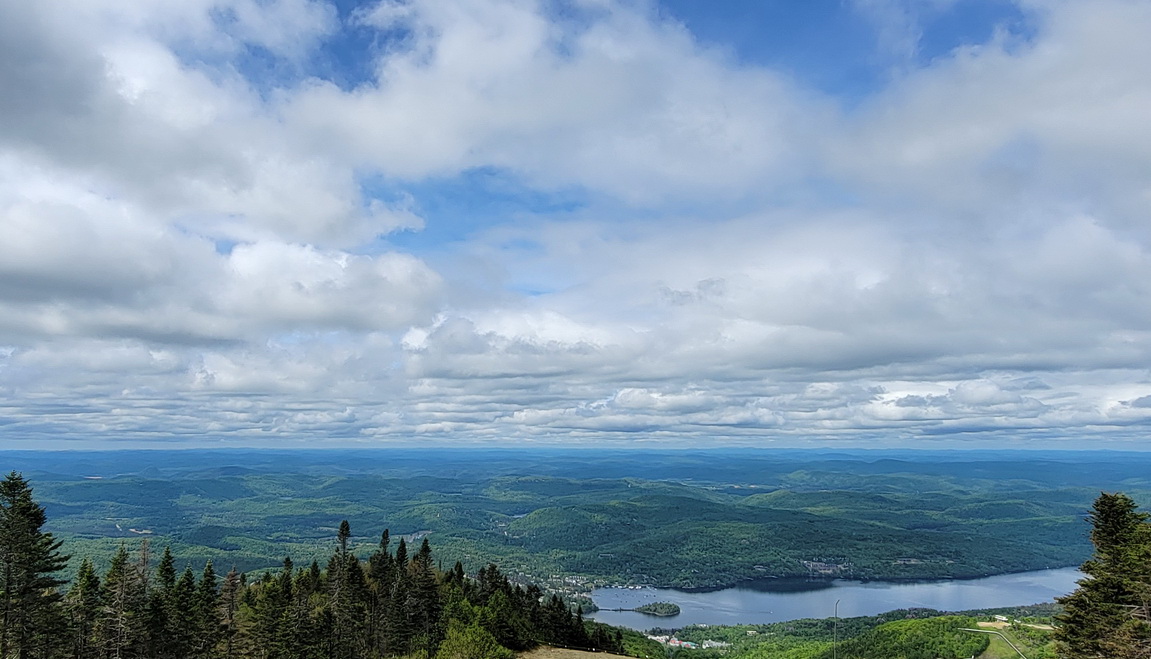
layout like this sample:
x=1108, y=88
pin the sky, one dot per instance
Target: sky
x=579, y=222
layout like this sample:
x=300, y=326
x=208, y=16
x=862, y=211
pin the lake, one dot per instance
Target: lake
x=773, y=600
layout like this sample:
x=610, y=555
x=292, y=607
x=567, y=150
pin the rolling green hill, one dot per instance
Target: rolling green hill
x=671, y=519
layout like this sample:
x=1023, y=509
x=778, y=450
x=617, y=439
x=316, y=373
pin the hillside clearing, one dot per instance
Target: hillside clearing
x=548, y=652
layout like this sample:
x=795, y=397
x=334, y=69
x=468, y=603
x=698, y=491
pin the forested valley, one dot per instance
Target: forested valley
x=396, y=603
x=569, y=520
x=395, y=599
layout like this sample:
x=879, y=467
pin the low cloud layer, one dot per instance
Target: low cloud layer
x=212, y=228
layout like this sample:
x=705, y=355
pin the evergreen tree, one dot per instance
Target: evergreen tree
x=356, y=604
x=1100, y=611
x=152, y=606
x=401, y=555
x=31, y=615
x=205, y=614
x=166, y=572
x=506, y=622
x=279, y=595
x=182, y=630
x=229, y=607
x=398, y=624
x=163, y=622
x=119, y=628
x=389, y=606
x=342, y=605
x=83, y=603
x=310, y=581
x=423, y=600
x=556, y=622
x=381, y=574
x=143, y=567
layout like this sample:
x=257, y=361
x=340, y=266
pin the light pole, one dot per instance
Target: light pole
x=835, y=633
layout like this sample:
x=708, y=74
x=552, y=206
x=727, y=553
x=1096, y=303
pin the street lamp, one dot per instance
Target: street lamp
x=835, y=633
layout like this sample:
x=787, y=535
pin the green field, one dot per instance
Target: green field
x=905, y=634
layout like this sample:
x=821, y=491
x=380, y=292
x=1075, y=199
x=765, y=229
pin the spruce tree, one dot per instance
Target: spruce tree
x=119, y=628
x=1101, y=608
x=401, y=555
x=30, y=604
x=424, y=599
x=229, y=607
x=205, y=614
x=152, y=626
x=162, y=619
x=182, y=612
x=339, y=602
x=166, y=572
x=381, y=573
x=83, y=603
x=398, y=624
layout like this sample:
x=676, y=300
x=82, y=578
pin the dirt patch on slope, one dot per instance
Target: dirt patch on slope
x=547, y=652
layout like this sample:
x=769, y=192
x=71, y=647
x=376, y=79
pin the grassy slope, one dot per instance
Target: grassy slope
x=904, y=633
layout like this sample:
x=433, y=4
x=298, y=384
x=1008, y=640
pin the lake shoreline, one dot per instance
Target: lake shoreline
x=781, y=600
x=746, y=583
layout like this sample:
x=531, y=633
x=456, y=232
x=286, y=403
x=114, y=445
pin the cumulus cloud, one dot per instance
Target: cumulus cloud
x=614, y=99
x=196, y=249
x=102, y=91
x=1047, y=124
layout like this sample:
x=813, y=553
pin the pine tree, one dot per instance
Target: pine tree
x=30, y=604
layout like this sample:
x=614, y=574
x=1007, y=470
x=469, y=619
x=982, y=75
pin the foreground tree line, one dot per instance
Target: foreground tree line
x=400, y=604
x=392, y=604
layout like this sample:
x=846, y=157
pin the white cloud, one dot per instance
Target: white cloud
x=106, y=93
x=283, y=285
x=619, y=102
x=187, y=250
x=1049, y=124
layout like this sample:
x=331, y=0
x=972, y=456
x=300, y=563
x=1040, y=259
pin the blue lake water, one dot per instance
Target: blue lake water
x=773, y=600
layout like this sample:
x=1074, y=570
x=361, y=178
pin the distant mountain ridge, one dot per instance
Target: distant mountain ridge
x=674, y=518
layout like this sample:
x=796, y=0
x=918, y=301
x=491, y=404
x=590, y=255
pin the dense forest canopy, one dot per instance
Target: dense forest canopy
x=607, y=516
x=395, y=603
x=400, y=602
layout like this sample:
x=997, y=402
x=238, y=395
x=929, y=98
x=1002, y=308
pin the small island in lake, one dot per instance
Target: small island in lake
x=659, y=609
